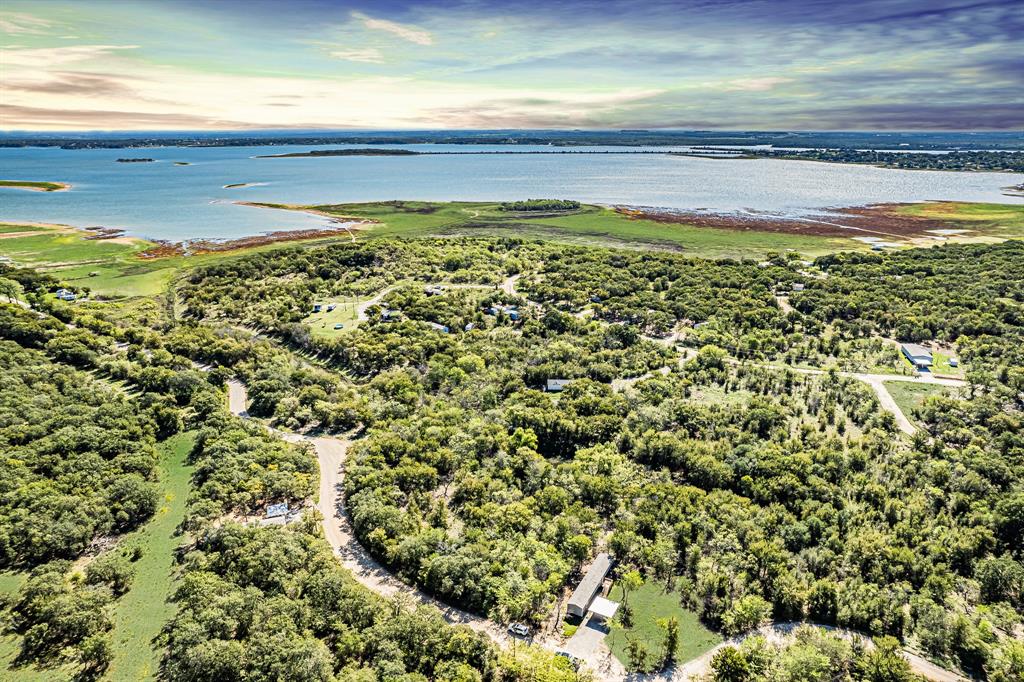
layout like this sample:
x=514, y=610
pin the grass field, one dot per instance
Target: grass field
x=589, y=225
x=322, y=324
x=139, y=614
x=1005, y=221
x=941, y=365
x=650, y=603
x=910, y=396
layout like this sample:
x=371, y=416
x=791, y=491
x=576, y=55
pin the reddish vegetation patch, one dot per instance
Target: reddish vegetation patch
x=199, y=246
x=879, y=220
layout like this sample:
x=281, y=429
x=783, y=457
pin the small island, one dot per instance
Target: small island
x=36, y=186
x=343, y=152
x=139, y=160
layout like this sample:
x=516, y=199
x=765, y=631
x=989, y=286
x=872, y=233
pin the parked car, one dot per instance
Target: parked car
x=518, y=630
x=573, y=661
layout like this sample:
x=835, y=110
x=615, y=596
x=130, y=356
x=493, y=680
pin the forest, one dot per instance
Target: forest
x=685, y=439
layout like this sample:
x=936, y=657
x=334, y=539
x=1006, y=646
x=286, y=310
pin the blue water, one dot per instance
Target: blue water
x=164, y=201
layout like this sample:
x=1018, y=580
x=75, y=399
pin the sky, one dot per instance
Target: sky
x=694, y=64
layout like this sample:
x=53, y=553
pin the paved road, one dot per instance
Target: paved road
x=331, y=456
x=877, y=382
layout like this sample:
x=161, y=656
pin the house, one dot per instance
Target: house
x=588, y=588
x=274, y=510
x=556, y=385
x=798, y=286
x=66, y=295
x=919, y=356
x=438, y=327
x=602, y=609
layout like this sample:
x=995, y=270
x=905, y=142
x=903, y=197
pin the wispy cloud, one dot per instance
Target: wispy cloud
x=368, y=55
x=17, y=23
x=48, y=57
x=756, y=84
x=403, y=31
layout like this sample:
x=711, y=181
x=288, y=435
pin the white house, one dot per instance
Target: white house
x=556, y=385
x=919, y=356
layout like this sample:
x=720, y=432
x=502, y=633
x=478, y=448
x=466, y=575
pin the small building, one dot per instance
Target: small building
x=390, y=315
x=798, y=286
x=433, y=290
x=588, y=588
x=66, y=295
x=919, y=356
x=595, y=298
x=317, y=307
x=469, y=327
x=275, y=510
x=556, y=385
x=602, y=609
x=438, y=327
x=331, y=307
x=953, y=362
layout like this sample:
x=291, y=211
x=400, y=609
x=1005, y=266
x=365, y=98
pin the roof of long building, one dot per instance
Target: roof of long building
x=583, y=593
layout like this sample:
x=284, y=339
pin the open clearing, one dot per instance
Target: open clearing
x=909, y=396
x=140, y=613
x=650, y=603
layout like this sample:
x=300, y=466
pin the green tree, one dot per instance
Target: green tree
x=729, y=665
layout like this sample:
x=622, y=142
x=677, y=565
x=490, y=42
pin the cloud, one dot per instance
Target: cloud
x=368, y=55
x=40, y=58
x=403, y=31
x=73, y=83
x=14, y=23
x=39, y=118
x=756, y=84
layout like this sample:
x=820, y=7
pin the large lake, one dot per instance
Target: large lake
x=165, y=201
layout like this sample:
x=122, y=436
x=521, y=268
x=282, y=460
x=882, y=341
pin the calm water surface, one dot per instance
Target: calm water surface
x=161, y=200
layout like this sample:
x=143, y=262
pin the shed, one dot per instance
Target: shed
x=919, y=356
x=588, y=588
x=438, y=327
x=556, y=385
x=602, y=609
x=277, y=510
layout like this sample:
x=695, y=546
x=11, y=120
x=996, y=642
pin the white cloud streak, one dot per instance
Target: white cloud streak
x=403, y=31
x=368, y=55
x=16, y=23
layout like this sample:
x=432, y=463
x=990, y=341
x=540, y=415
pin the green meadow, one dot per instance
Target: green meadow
x=910, y=396
x=651, y=603
x=593, y=225
x=142, y=611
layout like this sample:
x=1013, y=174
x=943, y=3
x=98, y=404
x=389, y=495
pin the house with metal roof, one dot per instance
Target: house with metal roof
x=919, y=356
x=590, y=586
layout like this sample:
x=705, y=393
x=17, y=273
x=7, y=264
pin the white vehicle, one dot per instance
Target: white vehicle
x=518, y=630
